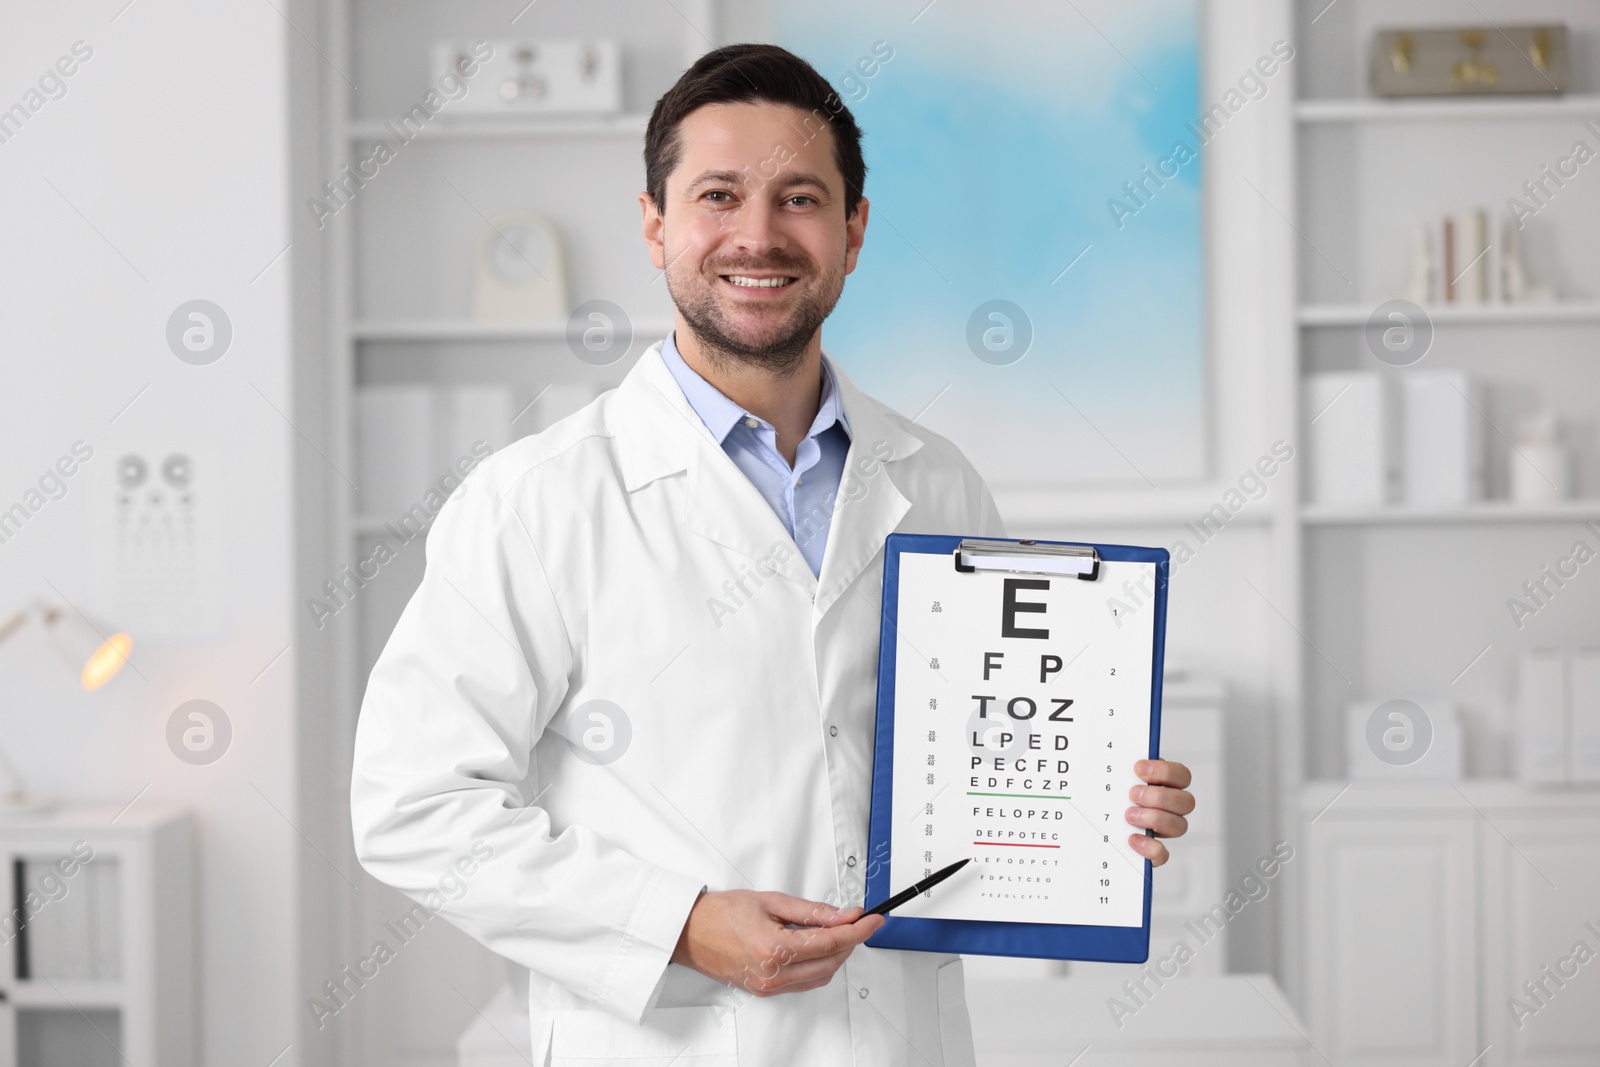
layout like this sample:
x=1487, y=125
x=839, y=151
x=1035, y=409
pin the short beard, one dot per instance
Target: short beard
x=782, y=356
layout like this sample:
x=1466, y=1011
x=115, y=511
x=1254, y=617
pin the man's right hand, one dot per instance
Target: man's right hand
x=739, y=938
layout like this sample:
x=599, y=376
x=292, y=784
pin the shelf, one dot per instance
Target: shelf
x=1372, y=109
x=1358, y=314
x=363, y=526
x=1488, y=511
x=479, y=330
x=501, y=128
x=1046, y=511
x=59, y=993
x=1385, y=796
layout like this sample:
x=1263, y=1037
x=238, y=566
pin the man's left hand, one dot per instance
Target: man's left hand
x=1160, y=806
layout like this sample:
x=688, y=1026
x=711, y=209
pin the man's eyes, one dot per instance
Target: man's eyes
x=723, y=192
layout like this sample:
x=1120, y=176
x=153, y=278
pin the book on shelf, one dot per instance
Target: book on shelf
x=73, y=926
x=1456, y=262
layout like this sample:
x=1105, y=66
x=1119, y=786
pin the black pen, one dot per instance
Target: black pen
x=908, y=894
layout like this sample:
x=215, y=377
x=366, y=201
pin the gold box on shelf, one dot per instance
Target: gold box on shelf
x=1470, y=61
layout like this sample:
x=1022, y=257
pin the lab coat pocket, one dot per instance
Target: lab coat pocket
x=955, y=1025
x=696, y=1036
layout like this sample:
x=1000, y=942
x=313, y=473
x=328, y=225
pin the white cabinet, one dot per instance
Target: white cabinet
x=1427, y=908
x=1391, y=953
x=97, y=939
x=1541, y=882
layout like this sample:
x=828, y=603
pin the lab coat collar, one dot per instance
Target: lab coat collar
x=870, y=504
x=658, y=433
x=721, y=415
x=654, y=427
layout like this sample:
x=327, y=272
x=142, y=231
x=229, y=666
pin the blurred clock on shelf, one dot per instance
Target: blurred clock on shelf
x=520, y=271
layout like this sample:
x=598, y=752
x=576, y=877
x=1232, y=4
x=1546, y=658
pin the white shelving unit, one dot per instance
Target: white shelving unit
x=102, y=969
x=1571, y=106
x=1460, y=314
x=366, y=131
x=387, y=324
x=1488, y=511
x=477, y=330
x=1400, y=601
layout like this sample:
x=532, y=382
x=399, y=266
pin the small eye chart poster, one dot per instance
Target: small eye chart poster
x=1021, y=701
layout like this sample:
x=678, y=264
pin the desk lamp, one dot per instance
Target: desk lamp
x=96, y=658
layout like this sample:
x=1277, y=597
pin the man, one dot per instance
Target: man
x=631, y=705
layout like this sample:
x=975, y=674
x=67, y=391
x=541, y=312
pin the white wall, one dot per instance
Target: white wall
x=159, y=177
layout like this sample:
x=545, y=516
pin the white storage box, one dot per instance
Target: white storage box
x=1351, y=427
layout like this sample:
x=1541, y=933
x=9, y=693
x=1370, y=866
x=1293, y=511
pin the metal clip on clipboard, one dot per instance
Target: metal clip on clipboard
x=1028, y=557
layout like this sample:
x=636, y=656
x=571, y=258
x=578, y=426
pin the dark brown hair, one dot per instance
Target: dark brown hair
x=745, y=73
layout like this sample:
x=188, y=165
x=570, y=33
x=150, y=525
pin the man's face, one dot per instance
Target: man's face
x=753, y=234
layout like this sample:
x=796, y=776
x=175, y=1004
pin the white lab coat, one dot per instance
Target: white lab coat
x=582, y=564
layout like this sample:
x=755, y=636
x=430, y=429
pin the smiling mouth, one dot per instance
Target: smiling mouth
x=747, y=281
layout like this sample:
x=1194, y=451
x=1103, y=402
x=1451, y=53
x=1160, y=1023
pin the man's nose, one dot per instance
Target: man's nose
x=758, y=226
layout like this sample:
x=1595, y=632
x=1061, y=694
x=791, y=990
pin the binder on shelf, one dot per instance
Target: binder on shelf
x=1542, y=742
x=1353, y=427
x=75, y=936
x=1558, y=716
x=416, y=442
x=1442, y=437
x=1585, y=702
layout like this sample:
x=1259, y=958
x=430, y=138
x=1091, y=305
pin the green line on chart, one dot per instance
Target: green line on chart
x=1030, y=796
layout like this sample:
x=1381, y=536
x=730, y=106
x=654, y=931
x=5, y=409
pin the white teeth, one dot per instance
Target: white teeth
x=758, y=283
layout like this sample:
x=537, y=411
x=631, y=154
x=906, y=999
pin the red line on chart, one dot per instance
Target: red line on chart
x=1013, y=844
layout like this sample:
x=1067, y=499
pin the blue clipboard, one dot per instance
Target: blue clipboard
x=1039, y=940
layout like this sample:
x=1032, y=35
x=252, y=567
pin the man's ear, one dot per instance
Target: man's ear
x=654, y=227
x=855, y=233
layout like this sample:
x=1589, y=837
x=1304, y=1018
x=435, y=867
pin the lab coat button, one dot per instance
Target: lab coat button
x=850, y=861
x=863, y=992
x=833, y=731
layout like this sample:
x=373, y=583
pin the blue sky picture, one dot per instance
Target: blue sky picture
x=996, y=142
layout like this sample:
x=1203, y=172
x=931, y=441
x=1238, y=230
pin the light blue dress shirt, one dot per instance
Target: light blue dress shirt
x=803, y=496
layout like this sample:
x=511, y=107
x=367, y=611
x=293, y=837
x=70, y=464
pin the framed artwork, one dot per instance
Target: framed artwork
x=1031, y=284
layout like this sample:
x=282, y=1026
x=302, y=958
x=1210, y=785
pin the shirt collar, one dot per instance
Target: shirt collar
x=721, y=414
